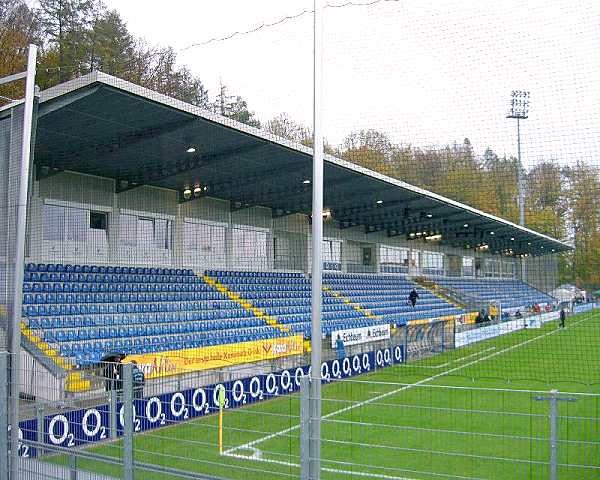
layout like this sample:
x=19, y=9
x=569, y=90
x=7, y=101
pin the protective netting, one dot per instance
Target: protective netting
x=168, y=257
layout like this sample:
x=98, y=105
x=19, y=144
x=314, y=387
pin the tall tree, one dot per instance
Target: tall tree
x=18, y=28
x=234, y=107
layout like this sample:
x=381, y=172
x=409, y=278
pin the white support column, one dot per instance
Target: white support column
x=19, y=259
x=317, y=246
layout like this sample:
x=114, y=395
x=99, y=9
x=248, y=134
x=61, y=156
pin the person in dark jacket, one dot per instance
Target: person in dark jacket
x=563, y=317
x=412, y=297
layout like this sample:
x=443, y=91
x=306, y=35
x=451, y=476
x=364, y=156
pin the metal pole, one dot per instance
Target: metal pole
x=317, y=245
x=520, y=178
x=553, y=433
x=521, y=187
x=305, y=428
x=554, y=399
x=128, y=421
x=40, y=428
x=3, y=416
x=112, y=413
x=72, y=467
x=17, y=301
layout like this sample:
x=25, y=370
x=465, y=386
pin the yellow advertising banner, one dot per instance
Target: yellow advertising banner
x=174, y=362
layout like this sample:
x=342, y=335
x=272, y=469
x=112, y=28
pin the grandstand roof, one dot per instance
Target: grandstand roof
x=101, y=125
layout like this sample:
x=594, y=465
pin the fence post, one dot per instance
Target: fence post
x=128, y=421
x=72, y=467
x=553, y=433
x=112, y=413
x=554, y=398
x=3, y=416
x=39, y=411
x=406, y=343
x=304, y=427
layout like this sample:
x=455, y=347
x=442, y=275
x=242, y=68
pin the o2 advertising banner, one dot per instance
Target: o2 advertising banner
x=80, y=427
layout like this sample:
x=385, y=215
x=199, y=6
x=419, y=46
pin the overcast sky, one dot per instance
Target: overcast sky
x=425, y=72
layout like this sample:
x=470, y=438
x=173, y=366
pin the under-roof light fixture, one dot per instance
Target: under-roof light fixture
x=412, y=235
x=492, y=233
x=529, y=243
x=191, y=150
x=379, y=202
x=326, y=214
x=429, y=215
x=187, y=193
x=466, y=225
x=512, y=239
x=433, y=238
x=306, y=182
x=553, y=250
x=197, y=190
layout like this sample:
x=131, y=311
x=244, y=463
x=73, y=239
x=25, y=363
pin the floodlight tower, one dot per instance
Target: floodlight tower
x=519, y=110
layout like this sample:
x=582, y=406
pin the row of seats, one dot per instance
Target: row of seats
x=510, y=293
x=93, y=333
x=106, y=277
x=244, y=274
x=68, y=268
x=67, y=287
x=48, y=298
x=92, y=351
x=242, y=317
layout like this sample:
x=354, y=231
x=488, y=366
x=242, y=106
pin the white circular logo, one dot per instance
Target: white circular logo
x=91, y=432
x=255, y=390
x=286, y=380
x=199, y=406
x=59, y=419
x=153, y=401
x=177, y=404
x=238, y=391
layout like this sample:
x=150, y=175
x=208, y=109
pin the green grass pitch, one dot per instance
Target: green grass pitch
x=469, y=413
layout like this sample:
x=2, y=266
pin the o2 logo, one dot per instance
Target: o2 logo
x=90, y=425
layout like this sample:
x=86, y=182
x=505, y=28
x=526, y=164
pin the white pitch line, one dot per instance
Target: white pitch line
x=456, y=360
x=398, y=390
x=462, y=359
x=324, y=469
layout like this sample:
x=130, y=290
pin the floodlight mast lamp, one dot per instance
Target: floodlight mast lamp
x=519, y=110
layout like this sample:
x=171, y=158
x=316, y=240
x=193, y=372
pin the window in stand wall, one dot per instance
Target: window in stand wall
x=433, y=263
x=332, y=254
x=393, y=259
x=250, y=248
x=204, y=244
x=468, y=266
x=145, y=239
x=74, y=234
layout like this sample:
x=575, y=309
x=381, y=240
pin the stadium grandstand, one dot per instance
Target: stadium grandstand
x=167, y=235
x=171, y=228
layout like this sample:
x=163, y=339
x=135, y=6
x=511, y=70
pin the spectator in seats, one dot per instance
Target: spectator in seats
x=412, y=297
x=479, y=317
x=486, y=317
x=518, y=314
x=341, y=349
x=563, y=317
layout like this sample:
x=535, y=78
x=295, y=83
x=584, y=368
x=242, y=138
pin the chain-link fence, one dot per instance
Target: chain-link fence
x=177, y=261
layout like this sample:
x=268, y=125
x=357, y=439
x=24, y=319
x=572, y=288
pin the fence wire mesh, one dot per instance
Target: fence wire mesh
x=164, y=330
